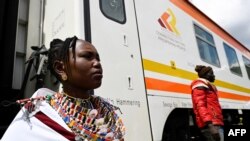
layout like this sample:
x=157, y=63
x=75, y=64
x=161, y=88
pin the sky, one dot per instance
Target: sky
x=232, y=15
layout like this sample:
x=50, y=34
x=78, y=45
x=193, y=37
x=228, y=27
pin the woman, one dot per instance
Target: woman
x=74, y=113
x=206, y=104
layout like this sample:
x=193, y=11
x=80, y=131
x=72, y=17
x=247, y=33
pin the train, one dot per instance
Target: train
x=149, y=50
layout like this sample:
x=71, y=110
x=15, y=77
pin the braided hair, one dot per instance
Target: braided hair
x=59, y=51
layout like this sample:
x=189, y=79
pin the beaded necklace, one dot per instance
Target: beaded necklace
x=78, y=101
x=97, y=121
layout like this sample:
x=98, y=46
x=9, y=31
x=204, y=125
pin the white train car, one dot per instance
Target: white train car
x=148, y=50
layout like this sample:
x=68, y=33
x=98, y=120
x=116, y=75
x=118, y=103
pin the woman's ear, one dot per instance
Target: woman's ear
x=60, y=69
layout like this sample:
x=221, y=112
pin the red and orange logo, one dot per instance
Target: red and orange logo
x=168, y=21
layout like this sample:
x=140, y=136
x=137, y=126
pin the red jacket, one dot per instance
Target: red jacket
x=205, y=103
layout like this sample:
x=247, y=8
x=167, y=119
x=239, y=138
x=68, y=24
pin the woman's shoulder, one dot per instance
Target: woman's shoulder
x=109, y=118
x=38, y=100
x=104, y=106
x=43, y=92
x=100, y=101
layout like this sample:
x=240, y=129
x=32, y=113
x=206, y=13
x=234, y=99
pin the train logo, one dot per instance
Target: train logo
x=168, y=21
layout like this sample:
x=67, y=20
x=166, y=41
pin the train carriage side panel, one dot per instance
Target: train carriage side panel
x=170, y=51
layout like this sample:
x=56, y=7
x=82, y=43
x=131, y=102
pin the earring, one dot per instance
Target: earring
x=64, y=77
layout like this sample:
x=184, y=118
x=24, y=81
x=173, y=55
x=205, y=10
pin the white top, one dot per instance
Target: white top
x=33, y=129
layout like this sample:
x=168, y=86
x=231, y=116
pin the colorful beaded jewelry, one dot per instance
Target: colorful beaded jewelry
x=92, y=119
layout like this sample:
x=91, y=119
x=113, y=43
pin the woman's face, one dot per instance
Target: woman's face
x=85, y=71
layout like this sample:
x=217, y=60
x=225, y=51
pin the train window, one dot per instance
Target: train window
x=206, y=45
x=114, y=10
x=247, y=65
x=232, y=60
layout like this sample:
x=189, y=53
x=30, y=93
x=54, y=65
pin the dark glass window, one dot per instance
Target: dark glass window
x=206, y=45
x=232, y=59
x=114, y=10
x=247, y=65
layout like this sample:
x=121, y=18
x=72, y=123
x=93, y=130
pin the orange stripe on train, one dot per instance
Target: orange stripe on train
x=168, y=86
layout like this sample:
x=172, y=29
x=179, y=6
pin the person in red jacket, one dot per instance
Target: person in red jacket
x=206, y=105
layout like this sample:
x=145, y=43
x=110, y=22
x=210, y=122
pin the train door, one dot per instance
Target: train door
x=114, y=33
